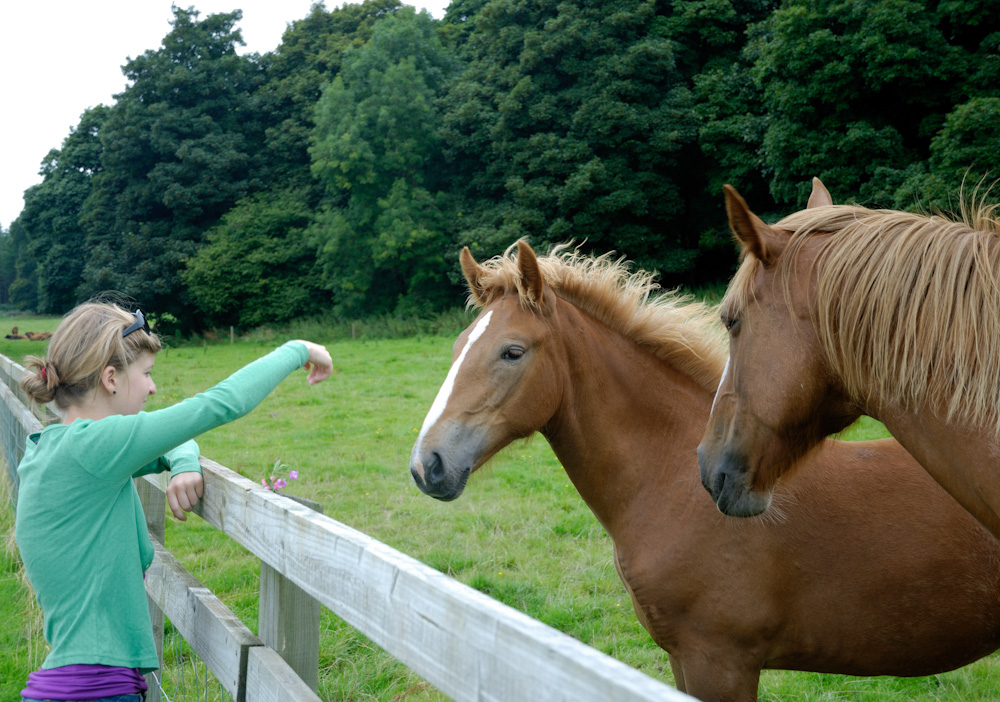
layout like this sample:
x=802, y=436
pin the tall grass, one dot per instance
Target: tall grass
x=520, y=533
x=21, y=638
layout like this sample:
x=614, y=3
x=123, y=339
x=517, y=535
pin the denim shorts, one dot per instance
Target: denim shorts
x=116, y=698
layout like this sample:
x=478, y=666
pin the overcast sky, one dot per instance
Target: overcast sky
x=59, y=57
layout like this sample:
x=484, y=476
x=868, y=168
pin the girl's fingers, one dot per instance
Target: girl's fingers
x=175, y=506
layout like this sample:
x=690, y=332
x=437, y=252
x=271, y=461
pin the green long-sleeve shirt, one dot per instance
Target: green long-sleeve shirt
x=79, y=524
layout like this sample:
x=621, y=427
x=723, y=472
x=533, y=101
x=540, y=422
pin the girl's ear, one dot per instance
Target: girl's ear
x=109, y=380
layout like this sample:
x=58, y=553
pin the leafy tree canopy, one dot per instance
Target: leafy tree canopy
x=177, y=150
x=245, y=276
x=570, y=122
x=377, y=149
x=51, y=215
x=345, y=169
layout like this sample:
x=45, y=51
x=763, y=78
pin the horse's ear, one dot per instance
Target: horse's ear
x=531, y=275
x=820, y=196
x=473, y=274
x=756, y=237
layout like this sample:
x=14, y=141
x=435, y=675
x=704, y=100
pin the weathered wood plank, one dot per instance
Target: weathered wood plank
x=288, y=619
x=217, y=635
x=17, y=422
x=12, y=372
x=28, y=421
x=270, y=679
x=461, y=641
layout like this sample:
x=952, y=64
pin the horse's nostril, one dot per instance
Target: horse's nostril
x=718, y=484
x=435, y=471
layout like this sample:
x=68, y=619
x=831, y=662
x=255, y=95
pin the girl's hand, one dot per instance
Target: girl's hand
x=183, y=492
x=320, y=364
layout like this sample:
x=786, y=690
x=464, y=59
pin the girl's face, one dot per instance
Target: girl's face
x=138, y=385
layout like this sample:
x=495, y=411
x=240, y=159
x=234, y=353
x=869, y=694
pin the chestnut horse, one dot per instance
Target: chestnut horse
x=838, y=311
x=870, y=569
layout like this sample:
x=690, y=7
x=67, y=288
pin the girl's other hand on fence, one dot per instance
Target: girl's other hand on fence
x=183, y=493
x=320, y=364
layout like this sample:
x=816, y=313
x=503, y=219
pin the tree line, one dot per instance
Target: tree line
x=344, y=170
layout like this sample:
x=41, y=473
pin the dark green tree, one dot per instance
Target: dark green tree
x=7, y=259
x=710, y=37
x=964, y=163
x=459, y=21
x=309, y=56
x=256, y=267
x=570, y=123
x=382, y=234
x=51, y=214
x=23, y=290
x=178, y=147
x=854, y=92
x=246, y=276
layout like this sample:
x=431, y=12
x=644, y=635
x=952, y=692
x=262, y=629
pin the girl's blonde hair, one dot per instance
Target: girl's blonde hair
x=88, y=340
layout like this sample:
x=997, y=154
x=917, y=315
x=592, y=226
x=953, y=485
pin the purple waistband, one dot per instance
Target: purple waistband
x=83, y=681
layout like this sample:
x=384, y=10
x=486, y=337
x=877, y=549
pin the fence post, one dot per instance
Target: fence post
x=156, y=522
x=288, y=620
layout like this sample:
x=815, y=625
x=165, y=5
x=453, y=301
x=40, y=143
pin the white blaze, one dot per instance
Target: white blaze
x=725, y=372
x=441, y=401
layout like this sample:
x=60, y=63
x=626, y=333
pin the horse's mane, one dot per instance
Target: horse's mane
x=908, y=306
x=677, y=330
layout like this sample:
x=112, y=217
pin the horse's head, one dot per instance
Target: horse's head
x=777, y=398
x=501, y=386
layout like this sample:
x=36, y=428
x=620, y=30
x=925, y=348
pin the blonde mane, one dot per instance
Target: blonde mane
x=683, y=333
x=908, y=306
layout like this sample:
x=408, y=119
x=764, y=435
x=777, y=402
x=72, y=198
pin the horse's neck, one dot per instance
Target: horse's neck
x=963, y=460
x=629, y=424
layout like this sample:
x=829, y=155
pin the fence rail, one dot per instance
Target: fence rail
x=466, y=644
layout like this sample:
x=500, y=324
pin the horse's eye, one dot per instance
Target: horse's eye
x=729, y=322
x=512, y=353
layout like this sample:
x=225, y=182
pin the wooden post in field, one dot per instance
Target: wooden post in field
x=288, y=620
x=156, y=522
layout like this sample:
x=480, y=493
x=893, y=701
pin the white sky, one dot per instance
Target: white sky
x=59, y=57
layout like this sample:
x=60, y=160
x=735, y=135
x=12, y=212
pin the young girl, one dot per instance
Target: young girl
x=79, y=525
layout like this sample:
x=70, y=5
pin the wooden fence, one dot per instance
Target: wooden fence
x=466, y=644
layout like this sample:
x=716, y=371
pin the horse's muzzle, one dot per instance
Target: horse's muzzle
x=727, y=480
x=434, y=479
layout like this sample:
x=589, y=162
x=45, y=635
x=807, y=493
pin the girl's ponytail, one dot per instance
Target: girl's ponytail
x=41, y=380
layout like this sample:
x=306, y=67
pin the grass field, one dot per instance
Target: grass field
x=520, y=533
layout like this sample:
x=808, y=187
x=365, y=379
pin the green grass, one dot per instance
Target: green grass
x=520, y=533
x=864, y=429
x=20, y=632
